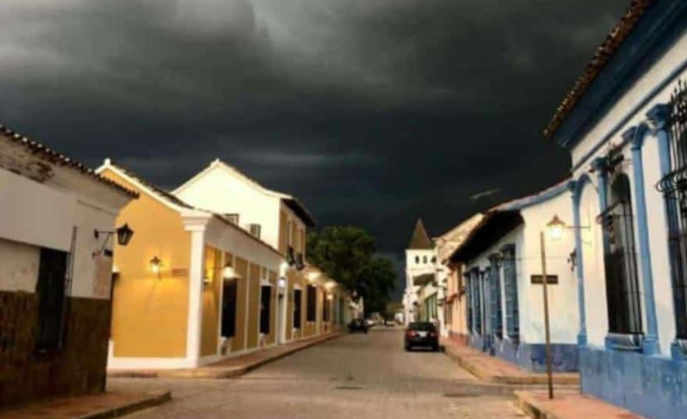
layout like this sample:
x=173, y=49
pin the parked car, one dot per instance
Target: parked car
x=357, y=325
x=421, y=334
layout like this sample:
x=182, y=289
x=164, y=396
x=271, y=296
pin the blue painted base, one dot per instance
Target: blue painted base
x=531, y=357
x=477, y=341
x=654, y=387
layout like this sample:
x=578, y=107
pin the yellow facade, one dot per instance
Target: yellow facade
x=211, y=301
x=151, y=309
x=253, y=305
x=241, y=267
x=272, y=336
x=145, y=304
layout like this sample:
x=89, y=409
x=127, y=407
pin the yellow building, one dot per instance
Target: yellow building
x=194, y=287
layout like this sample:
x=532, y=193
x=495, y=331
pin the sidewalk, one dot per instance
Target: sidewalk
x=97, y=406
x=230, y=367
x=496, y=370
x=569, y=405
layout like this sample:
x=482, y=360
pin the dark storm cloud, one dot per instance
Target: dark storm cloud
x=373, y=112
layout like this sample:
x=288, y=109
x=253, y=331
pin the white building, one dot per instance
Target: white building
x=421, y=265
x=56, y=239
x=625, y=125
x=503, y=274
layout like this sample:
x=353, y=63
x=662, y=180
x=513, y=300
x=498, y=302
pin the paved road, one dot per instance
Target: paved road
x=355, y=376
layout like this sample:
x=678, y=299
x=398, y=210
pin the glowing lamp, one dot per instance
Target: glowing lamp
x=555, y=228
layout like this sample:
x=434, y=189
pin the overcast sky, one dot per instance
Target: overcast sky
x=372, y=112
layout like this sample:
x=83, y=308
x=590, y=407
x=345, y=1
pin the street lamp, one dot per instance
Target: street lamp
x=555, y=229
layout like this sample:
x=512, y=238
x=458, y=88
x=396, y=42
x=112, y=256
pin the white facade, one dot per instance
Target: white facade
x=502, y=260
x=418, y=262
x=60, y=211
x=528, y=262
x=662, y=73
x=224, y=190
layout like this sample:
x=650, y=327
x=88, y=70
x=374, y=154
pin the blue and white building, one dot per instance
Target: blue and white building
x=503, y=276
x=625, y=125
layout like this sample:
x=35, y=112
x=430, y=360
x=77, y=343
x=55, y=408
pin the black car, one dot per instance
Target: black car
x=421, y=334
x=357, y=325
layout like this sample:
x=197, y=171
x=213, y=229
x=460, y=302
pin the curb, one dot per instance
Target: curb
x=532, y=410
x=154, y=399
x=530, y=379
x=206, y=372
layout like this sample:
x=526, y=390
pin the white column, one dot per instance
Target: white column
x=195, y=295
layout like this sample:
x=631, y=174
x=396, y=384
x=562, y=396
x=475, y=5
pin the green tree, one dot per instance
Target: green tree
x=347, y=254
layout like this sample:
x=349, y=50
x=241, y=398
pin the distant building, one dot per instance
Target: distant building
x=421, y=262
x=454, y=307
x=198, y=286
x=57, y=232
x=625, y=125
x=503, y=276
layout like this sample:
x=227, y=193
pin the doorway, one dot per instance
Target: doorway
x=281, y=318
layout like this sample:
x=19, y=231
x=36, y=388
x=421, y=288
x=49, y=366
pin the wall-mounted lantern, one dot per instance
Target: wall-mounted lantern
x=124, y=235
x=229, y=272
x=555, y=228
x=156, y=266
x=281, y=282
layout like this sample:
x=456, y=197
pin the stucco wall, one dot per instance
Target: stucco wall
x=18, y=266
x=563, y=305
x=150, y=311
x=221, y=192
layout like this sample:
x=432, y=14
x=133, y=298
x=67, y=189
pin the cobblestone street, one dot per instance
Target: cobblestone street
x=355, y=376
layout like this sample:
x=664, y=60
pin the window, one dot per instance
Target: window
x=495, y=300
x=510, y=281
x=674, y=189
x=622, y=282
x=469, y=303
x=417, y=260
x=265, y=309
x=297, y=304
x=477, y=295
x=311, y=314
x=229, y=309
x=51, y=291
x=255, y=229
x=424, y=259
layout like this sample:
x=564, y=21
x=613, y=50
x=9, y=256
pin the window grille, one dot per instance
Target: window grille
x=496, y=306
x=622, y=281
x=674, y=189
x=511, y=291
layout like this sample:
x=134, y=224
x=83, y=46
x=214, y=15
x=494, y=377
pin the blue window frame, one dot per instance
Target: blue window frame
x=510, y=278
x=477, y=299
x=496, y=302
x=468, y=303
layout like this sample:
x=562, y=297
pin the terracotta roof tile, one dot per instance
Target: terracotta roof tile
x=604, y=53
x=60, y=159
